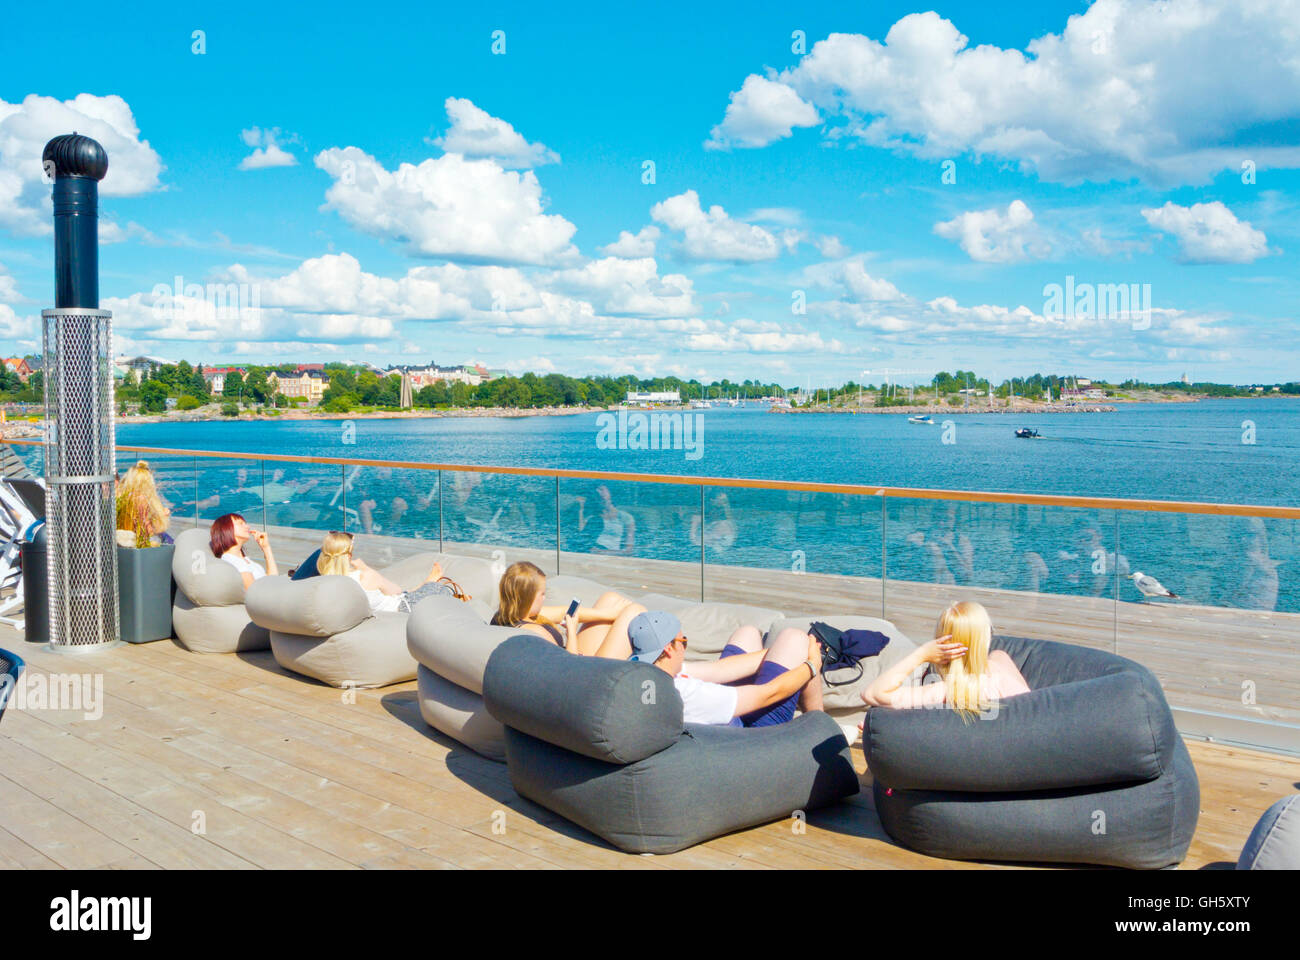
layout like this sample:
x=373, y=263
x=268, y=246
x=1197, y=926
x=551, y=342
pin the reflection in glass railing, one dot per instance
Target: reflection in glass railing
x=1216, y=610
x=1026, y=563
x=791, y=530
x=610, y=518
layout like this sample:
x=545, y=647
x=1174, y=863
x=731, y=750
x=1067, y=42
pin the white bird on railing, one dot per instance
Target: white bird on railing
x=1151, y=587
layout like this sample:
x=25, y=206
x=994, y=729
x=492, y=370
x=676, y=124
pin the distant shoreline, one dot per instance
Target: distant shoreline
x=23, y=429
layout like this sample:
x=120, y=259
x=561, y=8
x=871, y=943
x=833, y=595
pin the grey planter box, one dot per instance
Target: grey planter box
x=145, y=589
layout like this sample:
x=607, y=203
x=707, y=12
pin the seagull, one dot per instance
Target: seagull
x=1151, y=587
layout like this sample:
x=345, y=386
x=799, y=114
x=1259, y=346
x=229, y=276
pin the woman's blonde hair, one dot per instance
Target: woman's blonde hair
x=335, y=554
x=519, y=587
x=139, y=508
x=968, y=623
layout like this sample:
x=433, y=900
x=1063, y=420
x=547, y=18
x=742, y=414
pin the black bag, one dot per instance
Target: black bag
x=843, y=649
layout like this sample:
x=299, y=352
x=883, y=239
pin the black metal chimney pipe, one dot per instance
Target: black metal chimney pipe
x=76, y=164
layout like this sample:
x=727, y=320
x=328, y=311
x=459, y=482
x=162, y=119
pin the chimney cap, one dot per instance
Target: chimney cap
x=74, y=155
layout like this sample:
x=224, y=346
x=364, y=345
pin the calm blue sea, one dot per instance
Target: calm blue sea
x=1192, y=451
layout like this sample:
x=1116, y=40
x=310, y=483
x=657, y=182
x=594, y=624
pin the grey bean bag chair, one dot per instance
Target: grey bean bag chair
x=602, y=743
x=1086, y=768
x=841, y=694
x=451, y=641
x=322, y=627
x=208, y=613
x=1274, y=844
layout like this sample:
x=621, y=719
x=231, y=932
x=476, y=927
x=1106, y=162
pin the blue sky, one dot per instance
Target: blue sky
x=1107, y=148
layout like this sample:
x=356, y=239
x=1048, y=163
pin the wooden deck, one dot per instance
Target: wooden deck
x=282, y=772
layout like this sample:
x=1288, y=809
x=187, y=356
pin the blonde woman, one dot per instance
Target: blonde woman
x=142, y=517
x=972, y=676
x=383, y=595
x=589, y=631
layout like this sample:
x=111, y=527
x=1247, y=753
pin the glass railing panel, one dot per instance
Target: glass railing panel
x=32, y=455
x=504, y=517
x=1229, y=643
x=1041, y=571
x=301, y=502
x=228, y=485
x=392, y=510
x=631, y=536
x=800, y=552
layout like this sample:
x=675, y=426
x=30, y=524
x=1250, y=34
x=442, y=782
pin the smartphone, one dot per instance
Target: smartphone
x=573, y=607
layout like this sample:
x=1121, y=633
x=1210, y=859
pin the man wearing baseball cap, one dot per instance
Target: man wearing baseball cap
x=744, y=687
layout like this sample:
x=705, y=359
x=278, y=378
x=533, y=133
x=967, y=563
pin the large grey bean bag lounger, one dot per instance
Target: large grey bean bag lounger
x=451, y=641
x=1086, y=768
x=208, y=612
x=322, y=627
x=1274, y=844
x=602, y=743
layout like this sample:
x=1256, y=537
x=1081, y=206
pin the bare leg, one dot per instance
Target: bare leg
x=435, y=572
x=610, y=641
x=399, y=508
x=611, y=603
x=747, y=638
x=790, y=649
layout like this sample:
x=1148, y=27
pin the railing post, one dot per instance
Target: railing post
x=884, y=553
x=1115, y=604
x=343, y=495
x=557, y=524
x=441, y=549
x=702, y=538
x=196, y=491
x=262, y=464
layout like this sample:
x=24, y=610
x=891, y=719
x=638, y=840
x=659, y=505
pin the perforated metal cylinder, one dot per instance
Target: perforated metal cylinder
x=80, y=462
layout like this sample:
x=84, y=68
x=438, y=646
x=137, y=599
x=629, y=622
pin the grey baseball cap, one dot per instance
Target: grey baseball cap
x=650, y=632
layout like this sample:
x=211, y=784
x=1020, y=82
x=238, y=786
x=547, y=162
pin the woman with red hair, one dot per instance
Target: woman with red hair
x=227, y=537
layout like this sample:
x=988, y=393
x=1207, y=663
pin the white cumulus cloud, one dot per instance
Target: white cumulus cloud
x=1208, y=233
x=268, y=152
x=25, y=128
x=449, y=206
x=474, y=132
x=628, y=244
x=997, y=236
x=761, y=111
x=714, y=234
x=1172, y=92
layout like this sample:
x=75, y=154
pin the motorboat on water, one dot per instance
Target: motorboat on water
x=1024, y=433
x=922, y=418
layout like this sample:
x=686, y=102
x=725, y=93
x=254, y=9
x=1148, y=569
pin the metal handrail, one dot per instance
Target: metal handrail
x=845, y=489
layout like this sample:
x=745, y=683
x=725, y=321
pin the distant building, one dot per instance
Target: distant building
x=654, y=396
x=216, y=377
x=428, y=375
x=20, y=366
x=137, y=367
x=307, y=381
x=1186, y=380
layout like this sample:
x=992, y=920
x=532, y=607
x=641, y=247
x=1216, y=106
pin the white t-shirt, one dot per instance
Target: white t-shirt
x=704, y=702
x=244, y=565
x=611, y=536
x=380, y=602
